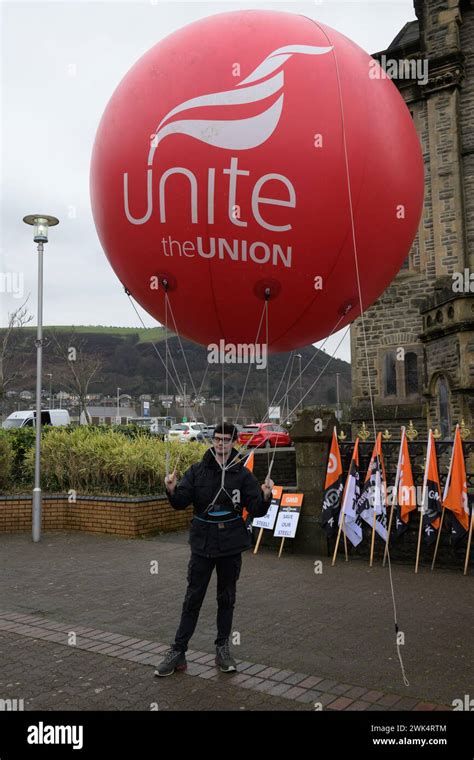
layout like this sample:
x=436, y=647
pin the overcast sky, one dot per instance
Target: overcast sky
x=60, y=63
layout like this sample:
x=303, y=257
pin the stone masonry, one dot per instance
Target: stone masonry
x=422, y=313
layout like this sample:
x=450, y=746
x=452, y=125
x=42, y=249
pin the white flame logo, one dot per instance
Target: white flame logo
x=332, y=464
x=237, y=134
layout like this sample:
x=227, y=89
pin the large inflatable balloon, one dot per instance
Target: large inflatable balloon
x=242, y=158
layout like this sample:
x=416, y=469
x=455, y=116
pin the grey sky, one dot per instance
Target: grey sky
x=60, y=63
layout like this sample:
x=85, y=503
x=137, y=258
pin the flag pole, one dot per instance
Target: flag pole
x=419, y=540
x=425, y=480
x=342, y=512
x=339, y=531
x=379, y=473
x=392, y=507
x=446, y=488
x=259, y=538
x=438, y=537
x=468, y=550
x=395, y=497
x=372, y=543
x=341, y=520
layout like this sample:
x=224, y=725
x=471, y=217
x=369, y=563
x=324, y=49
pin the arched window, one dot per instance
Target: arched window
x=411, y=373
x=390, y=375
x=443, y=407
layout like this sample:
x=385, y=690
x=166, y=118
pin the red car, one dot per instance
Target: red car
x=264, y=435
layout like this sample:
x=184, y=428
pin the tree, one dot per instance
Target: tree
x=10, y=370
x=258, y=406
x=79, y=365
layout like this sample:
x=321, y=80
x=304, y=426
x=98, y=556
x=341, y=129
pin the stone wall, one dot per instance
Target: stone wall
x=283, y=469
x=443, y=114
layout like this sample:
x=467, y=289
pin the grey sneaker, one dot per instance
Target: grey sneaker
x=173, y=660
x=224, y=660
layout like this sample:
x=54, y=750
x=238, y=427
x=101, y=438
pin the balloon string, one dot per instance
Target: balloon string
x=178, y=386
x=285, y=395
x=245, y=448
x=320, y=374
x=268, y=380
x=263, y=315
x=291, y=358
x=222, y=417
x=167, y=442
x=192, y=414
x=184, y=357
x=316, y=353
x=179, y=390
x=359, y=288
x=250, y=365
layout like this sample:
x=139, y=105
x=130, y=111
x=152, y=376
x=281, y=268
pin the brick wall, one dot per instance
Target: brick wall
x=127, y=517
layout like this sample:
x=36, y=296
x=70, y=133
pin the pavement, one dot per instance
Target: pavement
x=85, y=618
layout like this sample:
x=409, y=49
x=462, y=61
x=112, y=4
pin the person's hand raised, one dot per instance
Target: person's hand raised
x=267, y=488
x=170, y=482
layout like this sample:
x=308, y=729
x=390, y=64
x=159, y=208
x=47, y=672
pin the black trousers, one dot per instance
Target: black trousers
x=199, y=574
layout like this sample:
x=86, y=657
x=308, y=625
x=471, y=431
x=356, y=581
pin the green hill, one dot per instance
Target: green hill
x=145, y=334
x=128, y=359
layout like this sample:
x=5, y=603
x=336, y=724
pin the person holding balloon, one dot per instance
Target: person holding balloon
x=218, y=486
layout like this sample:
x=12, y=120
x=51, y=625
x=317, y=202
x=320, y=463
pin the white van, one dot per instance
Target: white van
x=28, y=418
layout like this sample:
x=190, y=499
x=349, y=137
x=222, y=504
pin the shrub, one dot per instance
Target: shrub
x=6, y=461
x=107, y=461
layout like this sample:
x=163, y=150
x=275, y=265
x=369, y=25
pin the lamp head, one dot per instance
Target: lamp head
x=41, y=223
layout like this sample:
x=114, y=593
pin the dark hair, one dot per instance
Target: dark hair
x=226, y=428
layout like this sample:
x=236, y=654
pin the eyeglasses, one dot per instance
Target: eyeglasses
x=219, y=439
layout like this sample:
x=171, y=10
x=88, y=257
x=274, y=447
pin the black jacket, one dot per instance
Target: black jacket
x=219, y=530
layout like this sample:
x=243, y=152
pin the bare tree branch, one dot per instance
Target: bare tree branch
x=80, y=365
x=17, y=319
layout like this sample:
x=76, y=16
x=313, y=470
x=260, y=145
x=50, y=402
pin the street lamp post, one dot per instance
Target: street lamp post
x=338, y=412
x=40, y=223
x=118, y=403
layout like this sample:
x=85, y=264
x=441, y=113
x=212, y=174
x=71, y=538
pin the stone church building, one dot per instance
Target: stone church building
x=428, y=310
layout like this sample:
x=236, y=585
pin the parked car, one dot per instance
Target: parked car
x=160, y=431
x=208, y=431
x=264, y=435
x=27, y=418
x=185, y=431
x=202, y=427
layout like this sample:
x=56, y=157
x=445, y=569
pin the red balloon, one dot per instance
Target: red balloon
x=220, y=171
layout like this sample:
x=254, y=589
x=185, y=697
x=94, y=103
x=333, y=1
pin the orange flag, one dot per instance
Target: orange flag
x=333, y=488
x=455, y=491
x=431, y=493
x=406, y=493
x=250, y=461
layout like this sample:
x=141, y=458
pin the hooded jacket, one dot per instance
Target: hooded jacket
x=218, y=529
